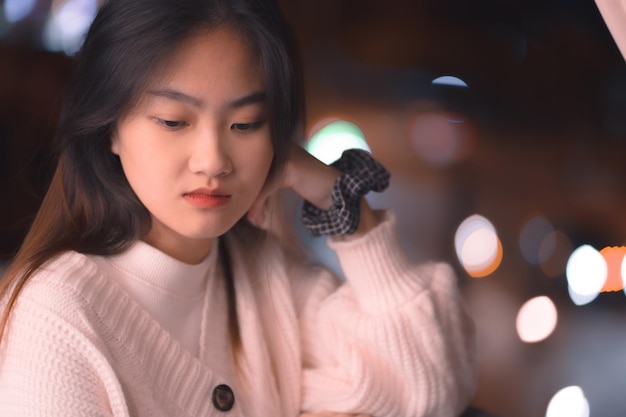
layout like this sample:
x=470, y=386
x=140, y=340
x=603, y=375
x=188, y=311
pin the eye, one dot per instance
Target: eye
x=247, y=127
x=171, y=124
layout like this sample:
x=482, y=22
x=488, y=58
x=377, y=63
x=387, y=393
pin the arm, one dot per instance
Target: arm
x=313, y=181
x=394, y=339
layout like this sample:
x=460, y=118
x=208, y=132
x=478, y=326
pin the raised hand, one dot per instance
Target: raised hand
x=303, y=173
x=313, y=181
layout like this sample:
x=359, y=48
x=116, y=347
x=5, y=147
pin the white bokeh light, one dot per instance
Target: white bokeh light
x=480, y=249
x=450, y=81
x=536, y=319
x=68, y=24
x=568, y=402
x=476, y=243
x=16, y=10
x=579, y=299
x=586, y=273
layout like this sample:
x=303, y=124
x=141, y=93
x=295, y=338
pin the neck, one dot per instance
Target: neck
x=188, y=250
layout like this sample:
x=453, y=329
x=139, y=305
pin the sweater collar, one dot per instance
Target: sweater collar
x=164, y=272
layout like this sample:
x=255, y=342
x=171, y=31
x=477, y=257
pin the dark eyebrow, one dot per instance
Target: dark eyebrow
x=177, y=96
x=254, y=98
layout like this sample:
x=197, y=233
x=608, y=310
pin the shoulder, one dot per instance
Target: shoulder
x=69, y=270
x=67, y=264
x=65, y=286
x=53, y=352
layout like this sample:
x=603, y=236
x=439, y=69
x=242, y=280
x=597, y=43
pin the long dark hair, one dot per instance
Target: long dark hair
x=90, y=207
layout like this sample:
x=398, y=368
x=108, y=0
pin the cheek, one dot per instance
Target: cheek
x=258, y=159
x=115, y=146
x=144, y=167
x=267, y=158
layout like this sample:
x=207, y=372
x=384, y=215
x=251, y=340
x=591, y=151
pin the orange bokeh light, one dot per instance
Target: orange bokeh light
x=613, y=255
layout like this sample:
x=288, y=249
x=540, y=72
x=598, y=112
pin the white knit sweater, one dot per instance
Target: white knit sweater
x=392, y=340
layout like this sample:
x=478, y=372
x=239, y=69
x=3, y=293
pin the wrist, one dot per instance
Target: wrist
x=368, y=220
x=360, y=173
x=312, y=180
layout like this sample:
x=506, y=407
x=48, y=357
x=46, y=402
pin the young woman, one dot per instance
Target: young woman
x=144, y=288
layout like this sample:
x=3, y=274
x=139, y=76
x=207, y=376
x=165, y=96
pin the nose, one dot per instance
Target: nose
x=210, y=156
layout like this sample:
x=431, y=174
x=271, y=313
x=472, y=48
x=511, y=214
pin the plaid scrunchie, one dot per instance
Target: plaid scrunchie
x=361, y=173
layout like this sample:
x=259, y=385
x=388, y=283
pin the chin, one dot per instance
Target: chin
x=211, y=233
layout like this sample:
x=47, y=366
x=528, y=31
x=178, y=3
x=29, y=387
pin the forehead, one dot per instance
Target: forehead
x=217, y=64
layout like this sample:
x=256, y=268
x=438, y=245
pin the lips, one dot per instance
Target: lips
x=206, y=199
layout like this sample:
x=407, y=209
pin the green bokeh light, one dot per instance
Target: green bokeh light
x=328, y=143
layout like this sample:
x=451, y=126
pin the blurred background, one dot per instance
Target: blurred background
x=502, y=123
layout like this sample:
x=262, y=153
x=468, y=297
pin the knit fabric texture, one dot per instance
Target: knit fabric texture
x=392, y=340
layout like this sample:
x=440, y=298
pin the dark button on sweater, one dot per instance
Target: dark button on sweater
x=223, y=398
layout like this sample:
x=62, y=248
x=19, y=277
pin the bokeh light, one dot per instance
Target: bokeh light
x=537, y=240
x=440, y=137
x=16, y=10
x=568, y=402
x=586, y=274
x=478, y=246
x=581, y=299
x=450, y=81
x=536, y=319
x=614, y=257
x=328, y=142
x=623, y=273
x=68, y=23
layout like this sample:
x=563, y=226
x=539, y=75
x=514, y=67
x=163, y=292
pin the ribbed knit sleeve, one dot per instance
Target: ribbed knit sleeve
x=393, y=340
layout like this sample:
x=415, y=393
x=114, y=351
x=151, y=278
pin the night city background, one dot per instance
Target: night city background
x=503, y=125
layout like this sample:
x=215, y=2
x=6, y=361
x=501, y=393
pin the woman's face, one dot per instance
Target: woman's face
x=196, y=149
